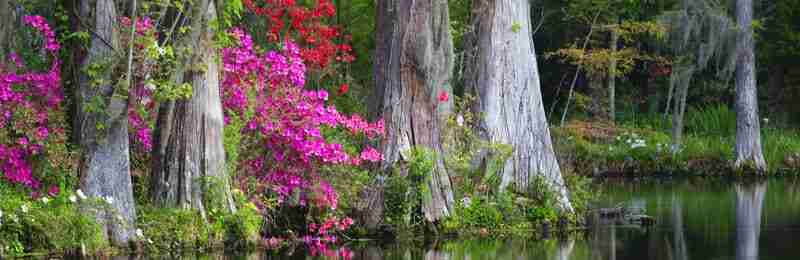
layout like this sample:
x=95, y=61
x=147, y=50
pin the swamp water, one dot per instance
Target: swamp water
x=695, y=219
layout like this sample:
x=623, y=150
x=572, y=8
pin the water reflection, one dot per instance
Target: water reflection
x=696, y=219
x=749, y=201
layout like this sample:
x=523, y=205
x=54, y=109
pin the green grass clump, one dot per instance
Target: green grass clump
x=711, y=120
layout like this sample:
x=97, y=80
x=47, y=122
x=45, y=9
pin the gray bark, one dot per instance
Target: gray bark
x=749, y=203
x=679, y=83
x=105, y=169
x=748, y=127
x=505, y=81
x=612, y=78
x=598, y=94
x=413, y=65
x=188, y=156
x=6, y=23
x=681, y=251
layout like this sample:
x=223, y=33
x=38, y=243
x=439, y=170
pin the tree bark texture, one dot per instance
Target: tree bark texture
x=505, y=82
x=105, y=169
x=612, y=77
x=413, y=67
x=680, y=78
x=6, y=23
x=598, y=94
x=749, y=203
x=189, y=156
x=748, y=127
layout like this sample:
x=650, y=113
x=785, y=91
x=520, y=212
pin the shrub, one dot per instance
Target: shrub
x=47, y=224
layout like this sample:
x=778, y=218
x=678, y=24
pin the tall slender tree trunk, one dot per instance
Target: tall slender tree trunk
x=748, y=127
x=505, y=79
x=103, y=128
x=679, y=83
x=612, y=77
x=413, y=69
x=599, y=96
x=749, y=203
x=188, y=156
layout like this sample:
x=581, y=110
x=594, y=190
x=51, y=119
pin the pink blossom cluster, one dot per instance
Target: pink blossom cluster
x=320, y=235
x=27, y=99
x=41, y=25
x=141, y=106
x=143, y=25
x=288, y=120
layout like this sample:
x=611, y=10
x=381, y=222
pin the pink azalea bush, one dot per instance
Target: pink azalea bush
x=30, y=109
x=284, y=124
x=287, y=121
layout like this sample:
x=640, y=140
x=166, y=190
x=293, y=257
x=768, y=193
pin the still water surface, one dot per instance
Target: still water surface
x=696, y=219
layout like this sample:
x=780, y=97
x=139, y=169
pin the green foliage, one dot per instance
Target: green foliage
x=174, y=230
x=711, y=120
x=462, y=145
x=405, y=192
x=480, y=212
x=243, y=227
x=50, y=224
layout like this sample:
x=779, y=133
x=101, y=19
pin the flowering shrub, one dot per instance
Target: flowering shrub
x=141, y=107
x=30, y=110
x=304, y=25
x=286, y=122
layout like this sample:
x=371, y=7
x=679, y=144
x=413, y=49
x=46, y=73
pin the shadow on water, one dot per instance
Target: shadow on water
x=695, y=219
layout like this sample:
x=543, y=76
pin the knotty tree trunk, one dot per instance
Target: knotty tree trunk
x=748, y=127
x=749, y=203
x=103, y=129
x=413, y=67
x=188, y=155
x=505, y=80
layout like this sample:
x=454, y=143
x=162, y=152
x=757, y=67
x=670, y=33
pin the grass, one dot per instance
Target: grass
x=640, y=145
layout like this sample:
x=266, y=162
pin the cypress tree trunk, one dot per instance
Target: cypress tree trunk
x=505, y=80
x=188, y=155
x=748, y=127
x=413, y=67
x=103, y=129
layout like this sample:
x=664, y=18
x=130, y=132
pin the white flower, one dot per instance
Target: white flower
x=81, y=195
x=73, y=199
x=45, y=200
x=149, y=241
x=766, y=120
x=24, y=208
x=110, y=200
x=161, y=51
x=460, y=120
x=466, y=201
x=150, y=86
x=139, y=232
